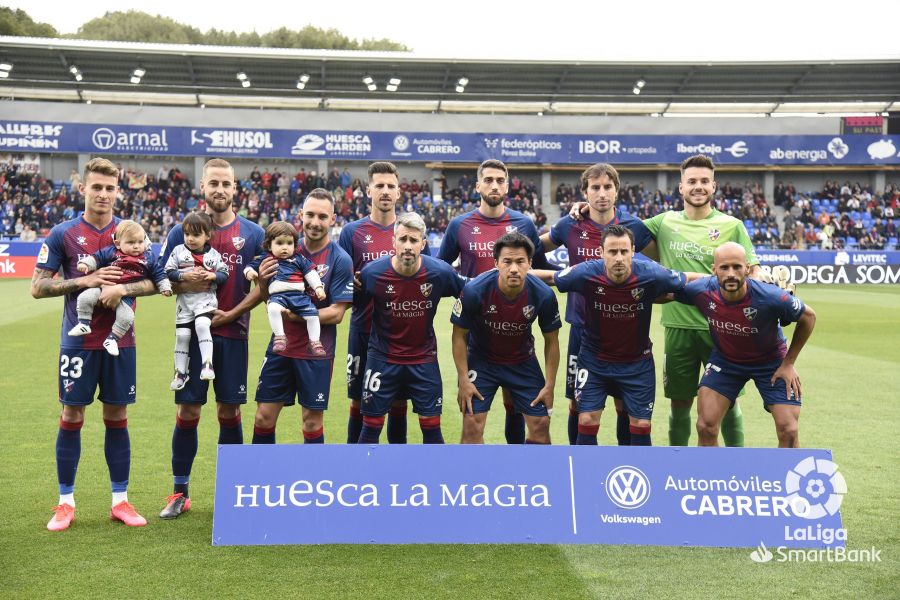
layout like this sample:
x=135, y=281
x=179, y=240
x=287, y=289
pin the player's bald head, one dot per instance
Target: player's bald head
x=729, y=252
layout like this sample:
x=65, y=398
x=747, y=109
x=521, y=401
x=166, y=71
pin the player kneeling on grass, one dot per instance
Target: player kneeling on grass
x=195, y=260
x=129, y=252
x=286, y=290
x=745, y=318
x=493, y=346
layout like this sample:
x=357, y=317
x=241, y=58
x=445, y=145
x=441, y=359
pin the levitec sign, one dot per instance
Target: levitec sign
x=305, y=494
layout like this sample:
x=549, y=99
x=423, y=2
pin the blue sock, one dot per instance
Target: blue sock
x=515, y=425
x=230, y=431
x=371, y=430
x=396, y=424
x=640, y=436
x=573, y=426
x=431, y=430
x=68, y=451
x=354, y=425
x=623, y=433
x=314, y=437
x=261, y=435
x=587, y=435
x=117, y=448
x=184, y=449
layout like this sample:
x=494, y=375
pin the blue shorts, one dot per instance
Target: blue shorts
x=282, y=378
x=633, y=382
x=297, y=302
x=575, y=333
x=385, y=382
x=524, y=381
x=230, y=365
x=728, y=378
x=81, y=371
x=357, y=352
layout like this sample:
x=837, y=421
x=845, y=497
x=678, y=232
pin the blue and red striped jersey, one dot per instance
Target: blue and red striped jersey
x=67, y=243
x=471, y=237
x=617, y=315
x=404, y=307
x=500, y=328
x=582, y=241
x=747, y=331
x=366, y=241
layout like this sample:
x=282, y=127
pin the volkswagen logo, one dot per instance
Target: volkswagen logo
x=103, y=138
x=627, y=487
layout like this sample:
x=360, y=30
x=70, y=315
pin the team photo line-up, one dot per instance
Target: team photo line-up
x=720, y=312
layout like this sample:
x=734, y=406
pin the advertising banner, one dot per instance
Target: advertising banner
x=516, y=148
x=395, y=494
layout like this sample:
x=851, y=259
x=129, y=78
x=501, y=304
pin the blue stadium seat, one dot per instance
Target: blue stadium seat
x=851, y=241
x=892, y=242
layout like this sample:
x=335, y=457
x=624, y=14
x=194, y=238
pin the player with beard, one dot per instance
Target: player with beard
x=83, y=363
x=296, y=371
x=582, y=237
x=367, y=240
x=471, y=236
x=239, y=241
x=404, y=291
x=745, y=318
x=686, y=241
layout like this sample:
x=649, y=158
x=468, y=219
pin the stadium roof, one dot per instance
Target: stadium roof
x=80, y=71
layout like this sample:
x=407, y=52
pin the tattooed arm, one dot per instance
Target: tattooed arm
x=43, y=285
x=111, y=295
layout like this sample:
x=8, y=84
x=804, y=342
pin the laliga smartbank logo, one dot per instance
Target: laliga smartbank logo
x=815, y=490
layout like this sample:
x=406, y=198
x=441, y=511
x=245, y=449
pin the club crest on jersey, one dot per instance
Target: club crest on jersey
x=750, y=313
x=714, y=234
x=68, y=384
x=426, y=288
x=238, y=242
x=511, y=229
x=528, y=311
x=321, y=270
x=457, y=308
x=476, y=230
x=637, y=293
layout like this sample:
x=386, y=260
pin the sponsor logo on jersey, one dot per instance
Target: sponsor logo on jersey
x=426, y=288
x=712, y=306
x=238, y=242
x=492, y=310
x=601, y=290
x=81, y=240
x=584, y=235
x=367, y=239
x=750, y=313
x=457, y=308
x=390, y=289
x=476, y=230
x=44, y=254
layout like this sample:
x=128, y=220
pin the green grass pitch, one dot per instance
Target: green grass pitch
x=850, y=372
